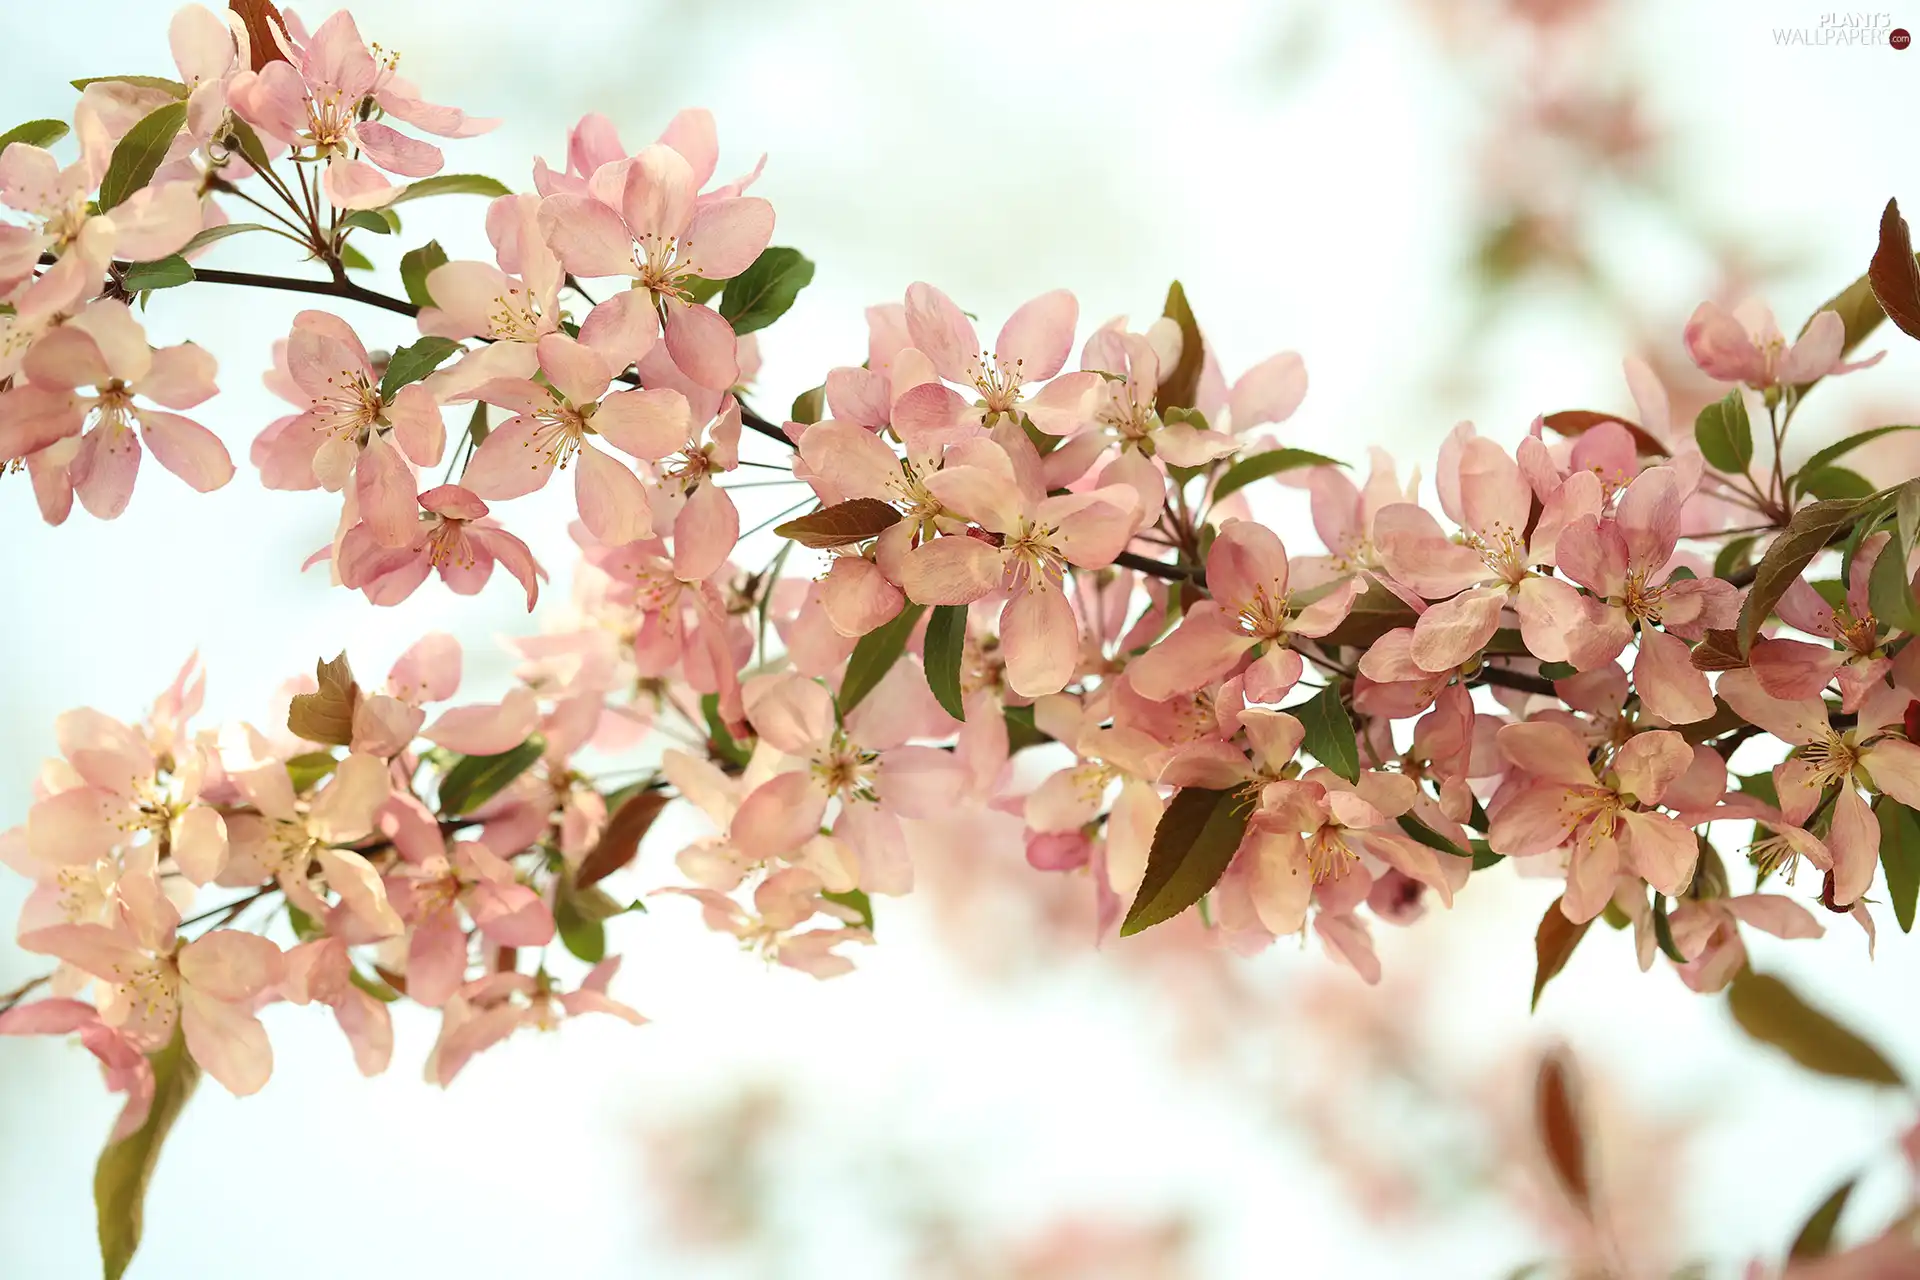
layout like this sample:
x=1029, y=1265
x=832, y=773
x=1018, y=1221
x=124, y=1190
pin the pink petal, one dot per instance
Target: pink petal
x=187, y=449
x=487, y=729
x=951, y=570
x=703, y=346
x=645, y=424
x=588, y=237
x=383, y=486
x=1040, y=639
x=1721, y=346
x=1037, y=338
x=1268, y=392
x=230, y=964
x=725, y=237
x=943, y=332
x=228, y=1042
x=611, y=499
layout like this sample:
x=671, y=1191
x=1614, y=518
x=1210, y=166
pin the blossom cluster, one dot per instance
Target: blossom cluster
x=1037, y=592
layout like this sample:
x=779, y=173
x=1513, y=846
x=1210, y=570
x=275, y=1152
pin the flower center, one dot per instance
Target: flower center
x=1031, y=552
x=847, y=771
x=997, y=382
x=1263, y=615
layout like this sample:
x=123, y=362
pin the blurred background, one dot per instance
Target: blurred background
x=1467, y=209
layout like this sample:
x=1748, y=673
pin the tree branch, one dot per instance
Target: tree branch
x=1161, y=569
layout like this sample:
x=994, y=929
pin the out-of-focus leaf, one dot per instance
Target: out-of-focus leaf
x=841, y=524
x=213, y=235
x=1899, y=856
x=1841, y=448
x=1815, y=1237
x=720, y=742
x=173, y=87
x=453, y=184
x=1192, y=846
x=857, y=900
x=1577, y=422
x=1556, y=1109
x=474, y=780
x=126, y=1167
x=169, y=272
x=35, y=133
x=307, y=769
x=619, y=844
x=1771, y=1012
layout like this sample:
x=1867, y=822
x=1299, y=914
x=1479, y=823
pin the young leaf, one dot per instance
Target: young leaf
x=1893, y=274
x=1272, y=462
x=474, y=780
x=453, y=184
x=1724, y=434
x=162, y=273
x=1840, y=448
x=35, y=133
x=414, y=362
x=326, y=715
x=1375, y=612
x=1663, y=930
x=415, y=266
x=140, y=153
x=173, y=87
x=582, y=933
x=620, y=842
x=1182, y=383
x=1556, y=1109
x=841, y=524
x=1815, y=1236
x=874, y=655
x=1834, y=482
x=477, y=424
x=1771, y=1012
x=1812, y=530
x=1899, y=856
x=809, y=406
x=1192, y=846
x=354, y=260
x=1330, y=737
x=126, y=1167
x=1426, y=835
x=307, y=769
x=1553, y=944
x=1890, y=589
x=763, y=292
x=945, y=644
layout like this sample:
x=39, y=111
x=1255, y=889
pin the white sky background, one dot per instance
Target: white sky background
x=997, y=149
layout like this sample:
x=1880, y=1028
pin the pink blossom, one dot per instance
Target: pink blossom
x=485, y=1012
x=513, y=305
x=1746, y=345
x=782, y=903
x=455, y=538
x=1032, y=348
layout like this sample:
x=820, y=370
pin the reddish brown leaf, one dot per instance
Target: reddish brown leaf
x=326, y=715
x=1893, y=274
x=395, y=980
x=1553, y=944
x=620, y=842
x=1577, y=422
x=265, y=29
x=1720, y=651
x=1556, y=1098
x=841, y=524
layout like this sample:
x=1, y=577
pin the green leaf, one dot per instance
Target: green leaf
x=1834, y=482
x=368, y=220
x=126, y=1167
x=1182, y=383
x=1272, y=462
x=1022, y=732
x=354, y=260
x=477, y=424
x=1426, y=835
x=1737, y=554
x=140, y=153
x=1771, y=1012
x=945, y=644
x=809, y=406
x=373, y=986
x=841, y=524
x=1815, y=1238
x=1900, y=856
x=414, y=362
x=1330, y=737
x=35, y=133
x=859, y=901
x=1553, y=944
x=452, y=184
x=763, y=292
x=307, y=769
x=585, y=939
x=1724, y=434
x=415, y=266
x=474, y=780
x=161, y=83
x=1663, y=930
x=1375, y=612
x=1890, y=589
x=213, y=235
x=240, y=137
x=700, y=289
x=874, y=655
x=1840, y=448
x=1192, y=846
x=1906, y=507
x=169, y=272
x=1558, y=670
x=1812, y=529
x=720, y=742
